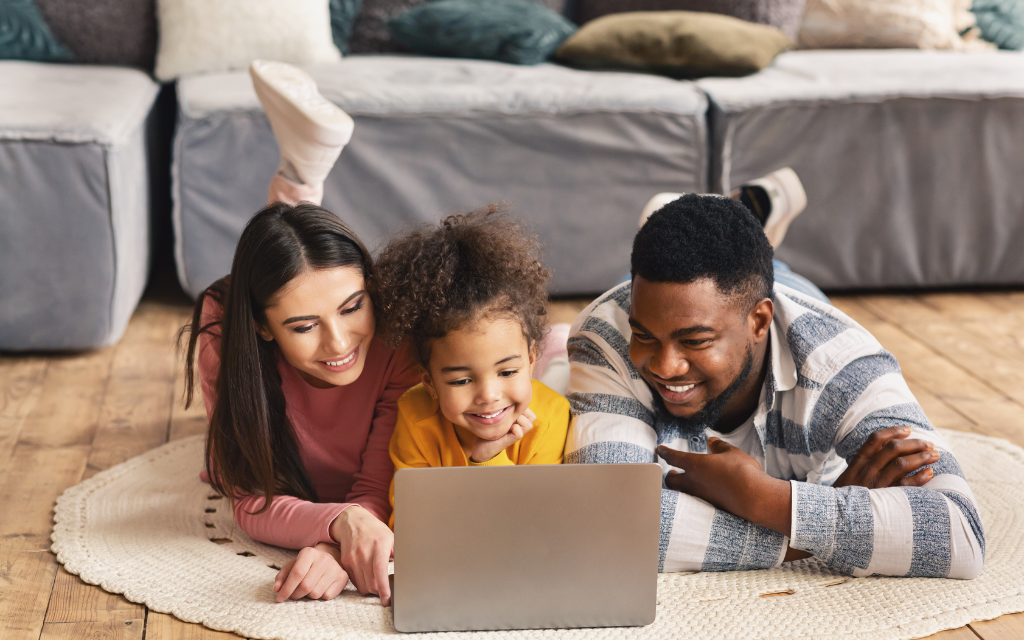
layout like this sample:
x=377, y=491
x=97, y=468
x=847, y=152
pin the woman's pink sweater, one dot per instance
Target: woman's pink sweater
x=342, y=434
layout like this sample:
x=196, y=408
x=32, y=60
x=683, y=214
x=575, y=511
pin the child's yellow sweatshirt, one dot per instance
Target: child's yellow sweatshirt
x=425, y=438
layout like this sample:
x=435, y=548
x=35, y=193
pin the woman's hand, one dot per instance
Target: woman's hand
x=484, y=450
x=366, y=547
x=315, y=572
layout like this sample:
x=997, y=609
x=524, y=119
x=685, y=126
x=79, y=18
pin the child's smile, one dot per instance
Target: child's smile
x=481, y=376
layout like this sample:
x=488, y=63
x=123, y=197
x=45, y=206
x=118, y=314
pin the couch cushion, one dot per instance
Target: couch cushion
x=575, y=153
x=911, y=161
x=74, y=219
x=116, y=32
x=72, y=103
x=781, y=14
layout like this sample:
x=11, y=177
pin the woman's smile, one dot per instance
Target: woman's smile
x=342, y=363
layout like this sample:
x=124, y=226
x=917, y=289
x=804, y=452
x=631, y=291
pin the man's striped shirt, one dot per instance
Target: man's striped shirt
x=829, y=386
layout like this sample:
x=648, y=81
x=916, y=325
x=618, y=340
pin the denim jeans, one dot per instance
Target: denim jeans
x=784, y=275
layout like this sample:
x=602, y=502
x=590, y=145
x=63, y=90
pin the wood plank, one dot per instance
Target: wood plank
x=963, y=633
x=566, y=309
x=67, y=411
x=160, y=626
x=852, y=306
x=136, y=411
x=960, y=305
x=27, y=568
x=75, y=601
x=109, y=630
x=1009, y=627
x=20, y=387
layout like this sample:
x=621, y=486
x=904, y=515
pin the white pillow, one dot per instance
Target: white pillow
x=888, y=24
x=218, y=35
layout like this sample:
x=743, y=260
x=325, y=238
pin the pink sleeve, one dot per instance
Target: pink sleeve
x=289, y=522
x=373, y=481
x=209, y=355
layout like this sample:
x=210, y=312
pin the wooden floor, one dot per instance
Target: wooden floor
x=64, y=418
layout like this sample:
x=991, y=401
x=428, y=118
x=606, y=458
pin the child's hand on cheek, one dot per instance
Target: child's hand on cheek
x=484, y=450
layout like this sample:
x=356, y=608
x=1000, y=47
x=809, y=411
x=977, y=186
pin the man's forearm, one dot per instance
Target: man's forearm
x=767, y=502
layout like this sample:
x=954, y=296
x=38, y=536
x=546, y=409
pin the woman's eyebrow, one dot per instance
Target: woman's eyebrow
x=306, y=318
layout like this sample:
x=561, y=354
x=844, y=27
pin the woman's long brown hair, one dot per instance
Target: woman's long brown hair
x=251, y=446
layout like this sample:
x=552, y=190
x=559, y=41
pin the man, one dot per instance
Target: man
x=781, y=423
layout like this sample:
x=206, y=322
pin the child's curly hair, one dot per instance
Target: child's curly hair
x=435, y=280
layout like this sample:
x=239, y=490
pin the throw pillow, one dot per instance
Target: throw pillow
x=781, y=14
x=681, y=44
x=116, y=32
x=371, y=34
x=515, y=31
x=24, y=34
x=343, y=17
x=889, y=24
x=1001, y=22
x=198, y=36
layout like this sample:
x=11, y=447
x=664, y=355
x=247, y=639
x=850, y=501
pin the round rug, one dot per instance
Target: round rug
x=150, y=529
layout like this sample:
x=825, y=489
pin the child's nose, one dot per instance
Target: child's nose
x=489, y=393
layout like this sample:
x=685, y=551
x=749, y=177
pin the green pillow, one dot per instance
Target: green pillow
x=343, y=16
x=516, y=31
x=681, y=44
x=24, y=34
x=1001, y=22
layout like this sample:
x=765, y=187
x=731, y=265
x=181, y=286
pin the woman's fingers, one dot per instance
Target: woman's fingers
x=282, y=575
x=336, y=587
x=308, y=582
x=299, y=568
x=380, y=573
x=320, y=588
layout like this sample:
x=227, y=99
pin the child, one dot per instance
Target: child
x=470, y=296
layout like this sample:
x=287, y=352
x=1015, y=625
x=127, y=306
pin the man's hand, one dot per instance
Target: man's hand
x=732, y=481
x=366, y=545
x=484, y=450
x=315, y=572
x=886, y=458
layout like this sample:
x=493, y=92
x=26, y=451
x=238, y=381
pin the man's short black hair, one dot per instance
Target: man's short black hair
x=706, y=236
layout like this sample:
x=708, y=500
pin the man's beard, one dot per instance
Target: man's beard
x=708, y=417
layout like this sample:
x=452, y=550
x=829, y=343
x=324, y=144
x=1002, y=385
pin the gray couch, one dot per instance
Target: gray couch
x=576, y=153
x=911, y=162
x=74, y=202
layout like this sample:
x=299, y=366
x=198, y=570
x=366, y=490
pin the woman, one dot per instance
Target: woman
x=301, y=399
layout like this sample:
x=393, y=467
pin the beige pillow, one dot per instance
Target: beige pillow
x=199, y=36
x=682, y=44
x=889, y=24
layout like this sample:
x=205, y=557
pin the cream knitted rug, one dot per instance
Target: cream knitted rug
x=144, y=529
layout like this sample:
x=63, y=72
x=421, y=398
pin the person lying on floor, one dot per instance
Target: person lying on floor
x=784, y=428
x=469, y=295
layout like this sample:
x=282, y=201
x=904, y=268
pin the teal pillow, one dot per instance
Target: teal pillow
x=24, y=34
x=1001, y=22
x=343, y=16
x=516, y=31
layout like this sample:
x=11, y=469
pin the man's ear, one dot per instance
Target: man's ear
x=760, y=319
x=264, y=331
x=428, y=382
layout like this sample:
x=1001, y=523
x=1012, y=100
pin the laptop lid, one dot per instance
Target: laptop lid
x=526, y=547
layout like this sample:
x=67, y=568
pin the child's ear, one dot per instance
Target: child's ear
x=428, y=382
x=533, y=358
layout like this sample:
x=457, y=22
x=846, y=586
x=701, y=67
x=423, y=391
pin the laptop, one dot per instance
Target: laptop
x=526, y=547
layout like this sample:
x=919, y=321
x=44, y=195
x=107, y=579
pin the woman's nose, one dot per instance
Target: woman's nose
x=336, y=339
